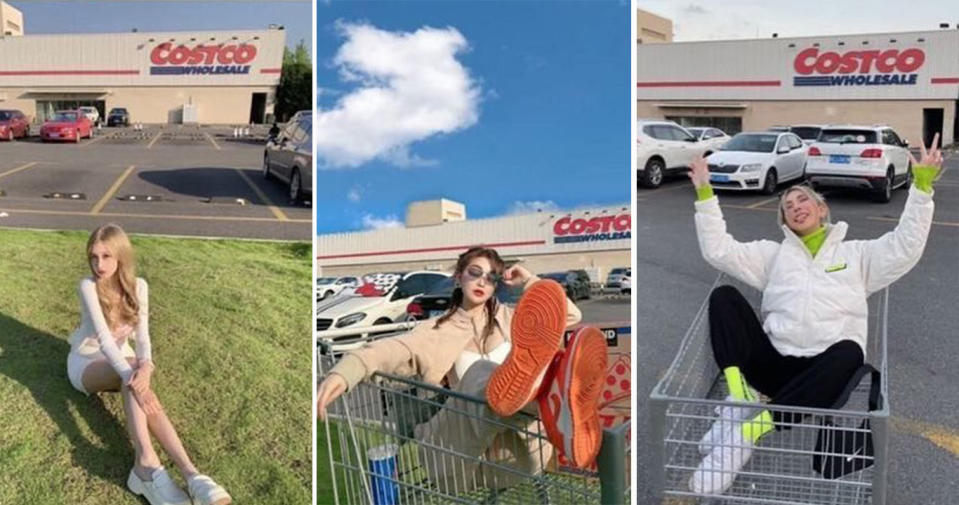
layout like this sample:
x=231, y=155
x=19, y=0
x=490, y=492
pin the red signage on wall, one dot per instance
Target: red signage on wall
x=168, y=59
x=857, y=68
x=567, y=229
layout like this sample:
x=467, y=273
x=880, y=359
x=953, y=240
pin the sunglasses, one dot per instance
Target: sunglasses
x=476, y=273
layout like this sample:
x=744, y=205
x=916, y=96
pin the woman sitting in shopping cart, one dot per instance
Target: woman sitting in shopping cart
x=814, y=288
x=483, y=348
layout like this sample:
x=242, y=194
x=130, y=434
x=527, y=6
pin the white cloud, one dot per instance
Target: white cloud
x=353, y=194
x=531, y=207
x=410, y=87
x=371, y=222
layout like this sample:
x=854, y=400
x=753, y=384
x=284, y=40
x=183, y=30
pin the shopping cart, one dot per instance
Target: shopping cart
x=377, y=454
x=683, y=406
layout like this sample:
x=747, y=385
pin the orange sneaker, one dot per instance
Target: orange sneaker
x=569, y=405
x=536, y=333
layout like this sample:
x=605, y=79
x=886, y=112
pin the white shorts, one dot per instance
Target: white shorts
x=77, y=363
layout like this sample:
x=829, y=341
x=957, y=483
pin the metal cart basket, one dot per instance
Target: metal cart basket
x=684, y=403
x=380, y=418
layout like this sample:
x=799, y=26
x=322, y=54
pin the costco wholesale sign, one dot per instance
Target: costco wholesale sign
x=168, y=59
x=568, y=229
x=858, y=68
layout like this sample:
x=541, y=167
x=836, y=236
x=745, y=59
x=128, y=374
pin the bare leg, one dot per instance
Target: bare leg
x=100, y=376
x=163, y=430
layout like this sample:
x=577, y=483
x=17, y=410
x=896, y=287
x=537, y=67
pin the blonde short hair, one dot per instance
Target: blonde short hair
x=808, y=191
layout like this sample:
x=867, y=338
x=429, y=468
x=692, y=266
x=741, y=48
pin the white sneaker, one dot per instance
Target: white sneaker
x=159, y=491
x=718, y=470
x=729, y=418
x=206, y=492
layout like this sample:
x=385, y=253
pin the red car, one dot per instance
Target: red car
x=69, y=125
x=13, y=124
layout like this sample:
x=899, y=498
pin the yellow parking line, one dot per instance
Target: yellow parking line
x=941, y=436
x=262, y=196
x=896, y=220
x=113, y=189
x=763, y=202
x=150, y=216
x=154, y=140
x=208, y=136
x=15, y=170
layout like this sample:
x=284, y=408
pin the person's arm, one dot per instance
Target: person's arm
x=892, y=255
x=747, y=261
x=417, y=353
x=91, y=305
x=143, y=349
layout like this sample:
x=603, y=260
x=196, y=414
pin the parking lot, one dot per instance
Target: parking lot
x=170, y=179
x=922, y=345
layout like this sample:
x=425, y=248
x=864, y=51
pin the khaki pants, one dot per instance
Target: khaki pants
x=467, y=446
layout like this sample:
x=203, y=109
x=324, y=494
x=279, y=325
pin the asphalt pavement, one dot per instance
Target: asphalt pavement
x=162, y=180
x=923, y=342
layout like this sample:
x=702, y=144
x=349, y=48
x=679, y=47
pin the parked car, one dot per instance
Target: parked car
x=757, y=161
x=436, y=301
x=616, y=279
x=376, y=306
x=118, y=116
x=289, y=157
x=327, y=287
x=575, y=282
x=92, y=113
x=807, y=132
x=712, y=138
x=663, y=148
x=13, y=124
x=69, y=125
x=873, y=158
x=626, y=286
x=777, y=128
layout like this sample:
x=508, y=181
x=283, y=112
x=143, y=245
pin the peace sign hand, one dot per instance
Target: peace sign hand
x=932, y=157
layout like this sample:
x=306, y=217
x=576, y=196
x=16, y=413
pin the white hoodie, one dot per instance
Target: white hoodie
x=809, y=303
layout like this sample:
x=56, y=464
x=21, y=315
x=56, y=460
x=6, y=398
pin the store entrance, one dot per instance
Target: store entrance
x=932, y=121
x=257, y=108
x=46, y=108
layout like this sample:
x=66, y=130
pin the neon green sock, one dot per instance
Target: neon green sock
x=923, y=176
x=758, y=426
x=737, y=384
x=704, y=192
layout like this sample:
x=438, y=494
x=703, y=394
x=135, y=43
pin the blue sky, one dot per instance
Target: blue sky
x=46, y=17
x=533, y=111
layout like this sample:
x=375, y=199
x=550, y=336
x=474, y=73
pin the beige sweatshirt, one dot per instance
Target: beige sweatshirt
x=430, y=353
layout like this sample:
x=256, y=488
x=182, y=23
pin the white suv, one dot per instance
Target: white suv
x=91, y=113
x=663, y=147
x=869, y=157
x=376, y=308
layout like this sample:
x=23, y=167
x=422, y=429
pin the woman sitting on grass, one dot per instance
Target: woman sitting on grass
x=113, y=303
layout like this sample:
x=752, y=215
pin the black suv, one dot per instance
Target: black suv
x=118, y=117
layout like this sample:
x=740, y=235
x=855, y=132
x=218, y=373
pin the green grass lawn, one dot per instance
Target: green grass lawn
x=230, y=324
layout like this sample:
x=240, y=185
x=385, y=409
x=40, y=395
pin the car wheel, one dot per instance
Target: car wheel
x=266, y=167
x=296, y=186
x=769, y=185
x=885, y=192
x=652, y=176
x=326, y=295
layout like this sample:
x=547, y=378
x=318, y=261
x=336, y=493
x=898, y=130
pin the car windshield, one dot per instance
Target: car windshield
x=698, y=132
x=617, y=271
x=848, y=137
x=68, y=117
x=806, y=132
x=5, y=115
x=118, y=111
x=751, y=143
x=442, y=287
x=325, y=280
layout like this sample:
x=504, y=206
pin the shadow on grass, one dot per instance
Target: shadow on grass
x=38, y=361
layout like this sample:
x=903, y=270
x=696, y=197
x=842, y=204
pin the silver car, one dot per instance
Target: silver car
x=289, y=157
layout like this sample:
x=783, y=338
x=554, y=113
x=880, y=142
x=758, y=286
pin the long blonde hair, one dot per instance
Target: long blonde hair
x=118, y=294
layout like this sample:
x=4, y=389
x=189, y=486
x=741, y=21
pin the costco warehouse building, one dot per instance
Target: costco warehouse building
x=210, y=77
x=909, y=81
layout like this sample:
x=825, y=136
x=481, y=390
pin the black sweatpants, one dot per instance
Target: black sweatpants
x=739, y=340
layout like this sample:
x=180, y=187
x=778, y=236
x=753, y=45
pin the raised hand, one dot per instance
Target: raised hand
x=932, y=157
x=516, y=275
x=699, y=172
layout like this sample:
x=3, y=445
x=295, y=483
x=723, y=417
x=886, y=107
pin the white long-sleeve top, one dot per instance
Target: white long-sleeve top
x=94, y=334
x=810, y=303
